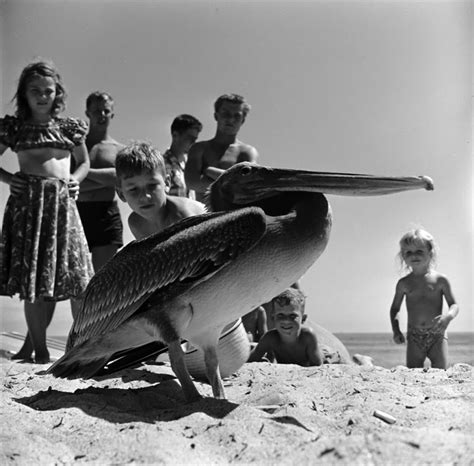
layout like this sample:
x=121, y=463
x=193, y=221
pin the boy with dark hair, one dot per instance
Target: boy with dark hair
x=185, y=130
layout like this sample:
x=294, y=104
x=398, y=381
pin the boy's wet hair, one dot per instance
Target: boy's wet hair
x=233, y=99
x=39, y=69
x=138, y=157
x=99, y=96
x=184, y=122
x=290, y=296
x=418, y=236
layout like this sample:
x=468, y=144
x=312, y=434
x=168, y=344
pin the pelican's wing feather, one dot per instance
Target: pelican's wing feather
x=188, y=250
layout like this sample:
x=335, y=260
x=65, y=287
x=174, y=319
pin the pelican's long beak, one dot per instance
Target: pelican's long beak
x=343, y=184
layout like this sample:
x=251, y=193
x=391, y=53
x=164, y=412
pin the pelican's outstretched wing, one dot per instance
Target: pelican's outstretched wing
x=190, y=249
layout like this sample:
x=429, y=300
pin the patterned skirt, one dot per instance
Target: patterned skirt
x=44, y=250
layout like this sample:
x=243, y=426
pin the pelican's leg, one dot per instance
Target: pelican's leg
x=213, y=372
x=178, y=365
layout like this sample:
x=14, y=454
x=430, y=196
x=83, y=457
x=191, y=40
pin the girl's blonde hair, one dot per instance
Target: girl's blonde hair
x=415, y=237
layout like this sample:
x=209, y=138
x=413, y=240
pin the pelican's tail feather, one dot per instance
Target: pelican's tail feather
x=89, y=357
x=76, y=363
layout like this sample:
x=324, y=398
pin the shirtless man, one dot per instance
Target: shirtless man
x=97, y=205
x=207, y=159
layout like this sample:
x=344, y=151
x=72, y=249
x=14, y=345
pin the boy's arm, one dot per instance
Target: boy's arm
x=394, y=310
x=312, y=349
x=443, y=320
x=263, y=346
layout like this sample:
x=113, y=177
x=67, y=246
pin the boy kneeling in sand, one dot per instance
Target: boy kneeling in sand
x=290, y=342
x=143, y=184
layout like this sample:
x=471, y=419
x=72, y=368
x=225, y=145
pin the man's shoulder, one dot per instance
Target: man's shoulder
x=199, y=147
x=108, y=144
x=247, y=152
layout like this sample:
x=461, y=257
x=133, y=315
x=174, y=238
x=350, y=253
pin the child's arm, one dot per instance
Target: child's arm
x=14, y=180
x=312, y=349
x=81, y=157
x=263, y=346
x=394, y=310
x=442, y=321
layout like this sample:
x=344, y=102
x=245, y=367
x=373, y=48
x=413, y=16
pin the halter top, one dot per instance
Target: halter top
x=59, y=133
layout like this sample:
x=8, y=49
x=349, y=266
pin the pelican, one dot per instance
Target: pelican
x=267, y=228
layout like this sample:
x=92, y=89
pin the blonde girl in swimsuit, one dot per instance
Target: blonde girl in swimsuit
x=45, y=254
x=423, y=290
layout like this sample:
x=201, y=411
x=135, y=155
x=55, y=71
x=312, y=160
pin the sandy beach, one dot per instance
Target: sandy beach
x=274, y=414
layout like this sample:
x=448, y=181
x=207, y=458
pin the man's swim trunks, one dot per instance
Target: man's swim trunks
x=424, y=338
x=102, y=223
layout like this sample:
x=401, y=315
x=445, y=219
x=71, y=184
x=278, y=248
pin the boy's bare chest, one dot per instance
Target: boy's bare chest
x=291, y=354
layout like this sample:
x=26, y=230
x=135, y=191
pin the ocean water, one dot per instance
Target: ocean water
x=386, y=353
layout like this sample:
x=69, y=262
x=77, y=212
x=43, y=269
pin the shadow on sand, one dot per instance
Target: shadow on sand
x=163, y=401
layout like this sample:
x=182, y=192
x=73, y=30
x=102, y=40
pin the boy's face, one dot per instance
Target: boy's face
x=100, y=113
x=288, y=319
x=230, y=118
x=145, y=193
x=185, y=139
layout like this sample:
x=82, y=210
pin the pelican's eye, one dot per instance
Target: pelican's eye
x=246, y=170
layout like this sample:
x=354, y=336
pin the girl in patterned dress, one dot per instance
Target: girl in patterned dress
x=45, y=254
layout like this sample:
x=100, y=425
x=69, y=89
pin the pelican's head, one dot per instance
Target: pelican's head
x=247, y=184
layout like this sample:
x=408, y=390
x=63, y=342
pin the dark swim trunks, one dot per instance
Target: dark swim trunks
x=102, y=223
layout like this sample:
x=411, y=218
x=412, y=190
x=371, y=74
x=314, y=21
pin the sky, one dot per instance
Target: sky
x=376, y=87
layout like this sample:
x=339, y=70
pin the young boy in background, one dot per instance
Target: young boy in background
x=142, y=183
x=185, y=130
x=290, y=342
